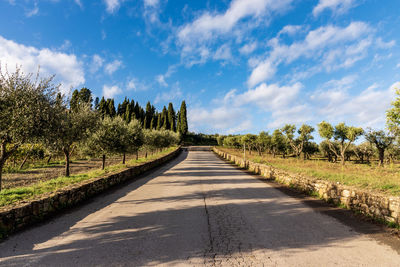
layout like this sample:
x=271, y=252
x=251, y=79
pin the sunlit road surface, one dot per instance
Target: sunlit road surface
x=198, y=210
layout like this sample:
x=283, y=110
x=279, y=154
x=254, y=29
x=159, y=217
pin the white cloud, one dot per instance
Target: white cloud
x=112, y=67
x=79, y=3
x=174, y=94
x=398, y=65
x=151, y=3
x=269, y=97
x=290, y=30
x=33, y=12
x=384, y=45
x=262, y=72
x=161, y=80
x=223, y=53
x=366, y=109
x=112, y=5
x=67, y=68
x=103, y=35
x=196, y=37
x=224, y=119
x=97, y=63
x=232, y=111
x=295, y=114
x=111, y=91
x=136, y=85
x=336, y=6
x=248, y=48
x=332, y=47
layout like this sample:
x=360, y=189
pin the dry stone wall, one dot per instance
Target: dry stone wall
x=24, y=214
x=379, y=206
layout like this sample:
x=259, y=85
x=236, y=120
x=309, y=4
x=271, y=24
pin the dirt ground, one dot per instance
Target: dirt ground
x=34, y=175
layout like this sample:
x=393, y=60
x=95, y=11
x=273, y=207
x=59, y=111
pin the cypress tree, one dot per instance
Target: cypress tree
x=164, y=118
x=111, y=108
x=73, y=103
x=137, y=111
x=171, y=118
x=85, y=96
x=96, y=103
x=152, y=123
x=159, y=121
x=103, y=107
x=148, y=115
x=178, y=122
x=127, y=115
x=183, y=120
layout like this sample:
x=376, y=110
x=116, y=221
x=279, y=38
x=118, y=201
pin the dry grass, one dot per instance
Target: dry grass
x=385, y=180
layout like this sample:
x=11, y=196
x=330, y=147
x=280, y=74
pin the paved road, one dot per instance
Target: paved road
x=199, y=210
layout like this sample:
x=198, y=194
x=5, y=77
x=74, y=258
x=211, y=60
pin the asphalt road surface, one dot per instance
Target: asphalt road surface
x=199, y=210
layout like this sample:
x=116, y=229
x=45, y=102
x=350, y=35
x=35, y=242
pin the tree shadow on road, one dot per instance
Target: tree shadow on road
x=220, y=220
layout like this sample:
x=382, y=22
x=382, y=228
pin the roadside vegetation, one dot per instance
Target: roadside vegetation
x=41, y=129
x=372, y=164
x=12, y=195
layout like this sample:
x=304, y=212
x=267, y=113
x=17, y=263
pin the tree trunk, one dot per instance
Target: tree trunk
x=123, y=158
x=342, y=158
x=381, y=156
x=137, y=155
x=66, y=153
x=48, y=160
x=26, y=158
x=145, y=155
x=24, y=161
x=104, y=162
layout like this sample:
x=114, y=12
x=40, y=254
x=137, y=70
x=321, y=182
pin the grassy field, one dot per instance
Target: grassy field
x=13, y=195
x=385, y=180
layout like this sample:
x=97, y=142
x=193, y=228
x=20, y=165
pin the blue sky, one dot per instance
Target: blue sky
x=242, y=65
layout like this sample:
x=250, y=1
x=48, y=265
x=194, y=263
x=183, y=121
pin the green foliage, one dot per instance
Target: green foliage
x=81, y=97
x=26, y=111
x=343, y=134
x=183, y=119
x=278, y=142
x=381, y=140
x=171, y=118
x=393, y=115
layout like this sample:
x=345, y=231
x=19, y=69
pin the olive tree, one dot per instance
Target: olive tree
x=343, y=134
x=304, y=136
x=72, y=126
x=278, y=143
x=263, y=142
x=249, y=141
x=393, y=115
x=26, y=111
x=109, y=137
x=381, y=140
x=134, y=139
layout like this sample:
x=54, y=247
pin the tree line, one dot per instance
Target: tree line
x=338, y=141
x=33, y=112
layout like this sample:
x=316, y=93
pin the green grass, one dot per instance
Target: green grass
x=384, y=180
x=13, y=195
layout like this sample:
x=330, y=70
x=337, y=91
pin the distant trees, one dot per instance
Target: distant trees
x=297, y=144
x=381, y=140
x=343, y=134
x=27, y=106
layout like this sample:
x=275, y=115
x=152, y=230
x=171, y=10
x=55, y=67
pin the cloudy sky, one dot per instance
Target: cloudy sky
x=241, y=65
